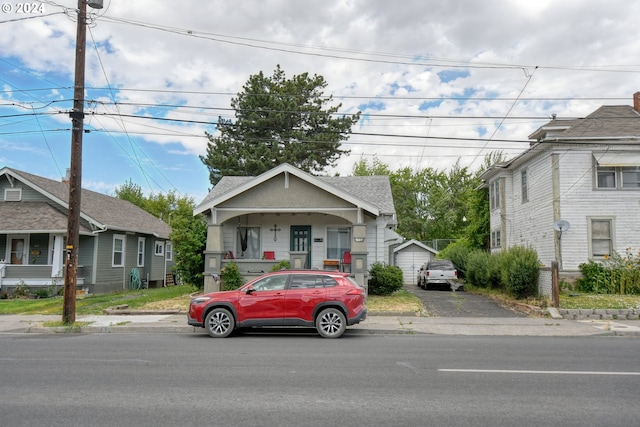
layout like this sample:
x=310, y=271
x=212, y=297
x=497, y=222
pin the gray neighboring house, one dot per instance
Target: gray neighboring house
x=116, y=237
x=310, y=221
x=581, y=175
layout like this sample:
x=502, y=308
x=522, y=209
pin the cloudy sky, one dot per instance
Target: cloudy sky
x=436, y=81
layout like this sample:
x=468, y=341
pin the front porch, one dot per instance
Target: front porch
x=12, y=275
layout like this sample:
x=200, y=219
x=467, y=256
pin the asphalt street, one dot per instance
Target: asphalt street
x=286, y=379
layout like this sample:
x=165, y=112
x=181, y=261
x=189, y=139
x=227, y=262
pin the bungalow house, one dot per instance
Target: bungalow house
x=311, y=221
x=119, y=242
x=574, y=195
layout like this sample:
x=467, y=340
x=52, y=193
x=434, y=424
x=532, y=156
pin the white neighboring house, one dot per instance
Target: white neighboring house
x=585, y=172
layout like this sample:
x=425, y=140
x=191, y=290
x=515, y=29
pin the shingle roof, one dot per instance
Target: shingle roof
x=103, y=210
x=375, y=190
x=608, y=121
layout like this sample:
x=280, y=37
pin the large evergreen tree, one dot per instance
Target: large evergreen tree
x=278, y=120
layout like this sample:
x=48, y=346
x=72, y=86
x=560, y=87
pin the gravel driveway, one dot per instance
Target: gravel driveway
x=442, y=302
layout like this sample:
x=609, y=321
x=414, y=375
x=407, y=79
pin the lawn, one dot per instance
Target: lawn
x=171, y=297
x=177, y=298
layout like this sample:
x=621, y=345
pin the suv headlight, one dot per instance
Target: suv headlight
x=199, y=300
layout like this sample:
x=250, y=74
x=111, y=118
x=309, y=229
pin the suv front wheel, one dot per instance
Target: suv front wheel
x=219, y=323
x=331, y=323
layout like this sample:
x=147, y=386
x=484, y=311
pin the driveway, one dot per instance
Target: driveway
x=442, y=302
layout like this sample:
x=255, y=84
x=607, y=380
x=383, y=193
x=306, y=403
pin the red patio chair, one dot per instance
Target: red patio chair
x=346, y=260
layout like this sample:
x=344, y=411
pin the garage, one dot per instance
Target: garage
x=410, y=256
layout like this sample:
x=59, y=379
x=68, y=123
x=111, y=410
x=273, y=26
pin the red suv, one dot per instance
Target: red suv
x=326, y=300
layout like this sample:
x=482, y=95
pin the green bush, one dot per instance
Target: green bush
x=593, y=277
x=458, y=252
x=483, y=269
x=615, y=275
x=231, y=278
x=519, y=272
x=384, y=279
x=282, y=265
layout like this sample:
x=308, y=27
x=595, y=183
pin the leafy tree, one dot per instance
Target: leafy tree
x=377, y=168
x=132, y=193
x=188, y=232
x=278, y=120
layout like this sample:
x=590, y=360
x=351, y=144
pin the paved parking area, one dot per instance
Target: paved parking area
x=443, y=302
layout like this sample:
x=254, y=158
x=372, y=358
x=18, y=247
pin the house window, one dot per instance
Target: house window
x=159, y=251
x=525, y=186
x=169, y=251
x=338, y=241
x=494, y=194
x=601, y=237
x=118, y=251
x=141, y=241
x=495, y=239
x=630, y=177
x=248, y=242
x=606, y=177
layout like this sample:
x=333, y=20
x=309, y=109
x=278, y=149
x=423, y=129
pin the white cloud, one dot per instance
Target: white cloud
x=196, y=53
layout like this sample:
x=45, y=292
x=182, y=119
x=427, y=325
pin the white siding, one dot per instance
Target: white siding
x=410, y=260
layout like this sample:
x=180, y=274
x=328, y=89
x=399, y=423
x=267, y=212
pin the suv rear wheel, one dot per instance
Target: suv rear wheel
x=219, y=323
x=331, y=323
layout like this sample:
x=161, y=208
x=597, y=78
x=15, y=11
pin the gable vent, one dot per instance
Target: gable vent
x=12, y=194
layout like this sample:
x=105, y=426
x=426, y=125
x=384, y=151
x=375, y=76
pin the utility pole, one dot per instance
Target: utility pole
x=75, y=171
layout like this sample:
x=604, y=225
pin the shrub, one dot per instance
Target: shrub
x=21, y=290
x=282, y=265
x=42, y=293
x=458, y=252
x=615, y=275
x=593, y=276
x=384, y=279
x=483, y=269
x=519, y=272
x=231, y=278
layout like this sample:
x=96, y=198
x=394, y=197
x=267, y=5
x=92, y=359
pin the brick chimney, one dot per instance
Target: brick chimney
x=65, y=178
x=636, y=101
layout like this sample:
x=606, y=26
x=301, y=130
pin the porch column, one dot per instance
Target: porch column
x=58, y=256
x=359, y=255
x=213, y=258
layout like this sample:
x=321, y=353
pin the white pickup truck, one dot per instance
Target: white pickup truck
x=439, y=271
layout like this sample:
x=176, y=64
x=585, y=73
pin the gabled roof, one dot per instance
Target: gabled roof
x=607, y=122
x=414, y=242
x=610, y=124
x=101, y=211
x=372, y=193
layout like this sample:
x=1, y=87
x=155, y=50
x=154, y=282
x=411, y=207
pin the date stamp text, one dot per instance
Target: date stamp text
x=23, y=8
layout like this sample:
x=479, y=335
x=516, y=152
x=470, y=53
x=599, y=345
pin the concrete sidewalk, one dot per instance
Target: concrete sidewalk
x=374, y=324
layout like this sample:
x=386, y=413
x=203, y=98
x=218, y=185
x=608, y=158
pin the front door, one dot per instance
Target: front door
x=17, y=251
x=301, y=241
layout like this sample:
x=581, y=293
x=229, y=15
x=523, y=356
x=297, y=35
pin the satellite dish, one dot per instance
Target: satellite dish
x=561, y=225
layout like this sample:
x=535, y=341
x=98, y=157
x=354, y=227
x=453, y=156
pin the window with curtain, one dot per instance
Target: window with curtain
x=248, y=243
x=338, y=241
